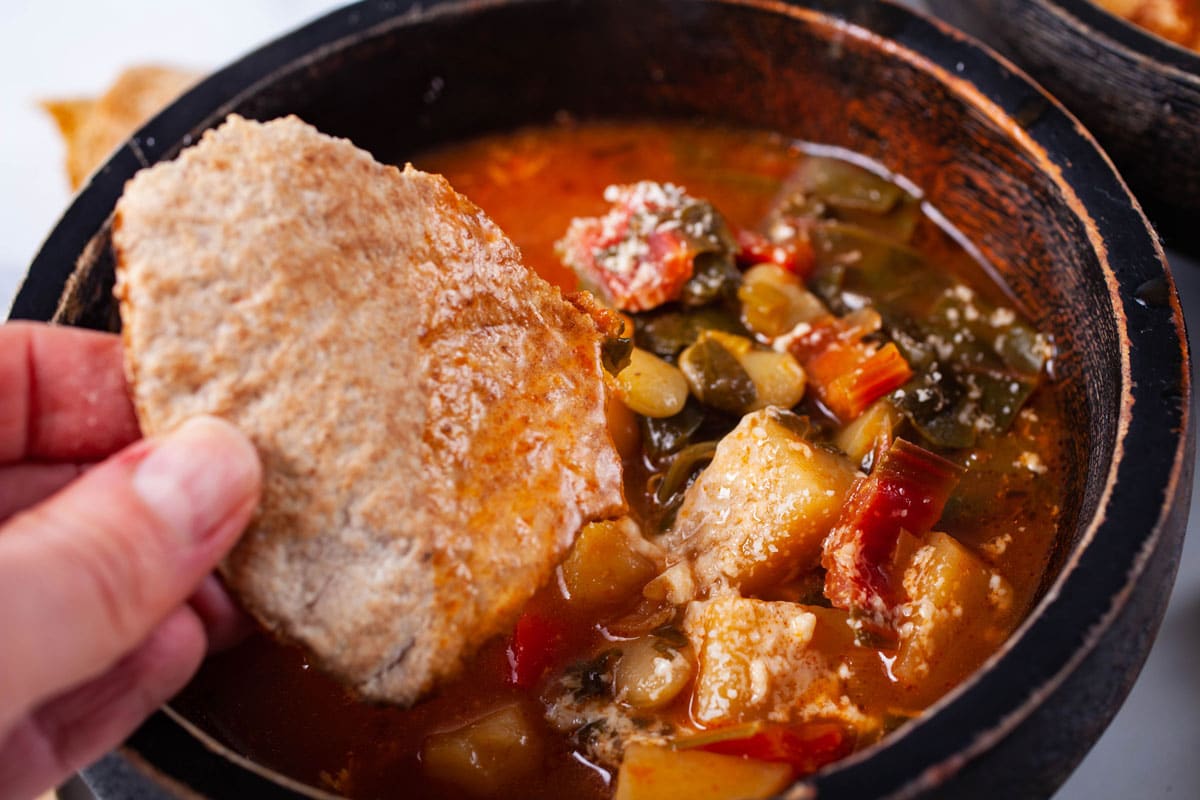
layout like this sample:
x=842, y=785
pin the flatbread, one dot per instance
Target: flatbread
x=429, y=412
x=1174, y=20
x=93, y=127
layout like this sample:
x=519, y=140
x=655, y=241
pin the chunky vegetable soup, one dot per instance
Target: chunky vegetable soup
x=840, y=442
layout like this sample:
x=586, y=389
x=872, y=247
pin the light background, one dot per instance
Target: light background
x=77, y=47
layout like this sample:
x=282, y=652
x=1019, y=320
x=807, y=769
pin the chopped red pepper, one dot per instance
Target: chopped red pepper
x=795, y=255
x=880, y=373
x=536, y=643
x=848, y=374
x=806, y=748
x=908, y=490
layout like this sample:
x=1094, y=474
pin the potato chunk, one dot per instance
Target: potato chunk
x=754, y=660
x=486, y=755
x=608, y=564
x=760, y=510
x=659, y=773
x=873, y=427
x=953, y=598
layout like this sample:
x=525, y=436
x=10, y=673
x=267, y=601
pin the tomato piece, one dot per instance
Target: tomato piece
x=806, y=748
x=672, y=259
x=822, y=334
x=795, y=255
x=907, y=491
x=537, y=642
x=643, y=278
x=642, y=252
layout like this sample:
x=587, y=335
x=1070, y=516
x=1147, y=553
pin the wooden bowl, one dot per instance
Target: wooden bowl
x=1000, y=159
x=1139, y=94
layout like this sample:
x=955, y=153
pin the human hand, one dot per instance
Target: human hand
x=106, y=601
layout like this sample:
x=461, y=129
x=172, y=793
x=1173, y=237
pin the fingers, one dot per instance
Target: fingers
x=22, y=485
x=224, y=623
x=86, y=575
x=78, y=727
x=65, y=396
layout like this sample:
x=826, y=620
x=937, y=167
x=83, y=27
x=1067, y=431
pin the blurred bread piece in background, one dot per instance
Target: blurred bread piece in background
x=93, y=127
x=1177, y=21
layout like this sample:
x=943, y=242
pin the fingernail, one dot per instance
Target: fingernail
x=197, y=475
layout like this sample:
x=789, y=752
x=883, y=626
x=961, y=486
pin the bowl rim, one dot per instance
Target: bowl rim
x=1121, y=34
x=993, y=701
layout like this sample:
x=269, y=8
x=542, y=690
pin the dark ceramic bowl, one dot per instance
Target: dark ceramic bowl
x=1000, y=159
x=1139, y=94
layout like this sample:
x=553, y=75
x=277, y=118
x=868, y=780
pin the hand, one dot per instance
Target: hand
x=106, y=602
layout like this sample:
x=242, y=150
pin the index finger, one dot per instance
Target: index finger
x=62, y=394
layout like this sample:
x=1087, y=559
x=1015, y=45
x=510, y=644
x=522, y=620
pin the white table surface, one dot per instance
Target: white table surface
x=71, y=47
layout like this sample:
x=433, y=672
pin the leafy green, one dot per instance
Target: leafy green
x=976, y=363
x=713, y=247
x=615, y=352
x=669, y=330
x=863, y=262
x=666, y=435
x=848, y=186
x=686, y=462
x=870, y=632
x=593, y=677
x=979, y=364
x=798, y=424
x=934, y=406
x=667, y=488
x=591, y=732
x=716, y=377
x=670, y=635
x=715, y=276
x=837, y=191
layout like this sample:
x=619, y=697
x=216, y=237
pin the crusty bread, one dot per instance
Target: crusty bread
x=1174, y=20
x=430, y=413
x=92, y=128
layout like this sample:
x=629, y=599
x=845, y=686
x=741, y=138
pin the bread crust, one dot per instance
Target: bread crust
x=430, y=413
x=93, y=127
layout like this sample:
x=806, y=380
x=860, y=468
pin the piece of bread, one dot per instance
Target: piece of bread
x=1175, y=20
x=430, y=413
x=92, y=128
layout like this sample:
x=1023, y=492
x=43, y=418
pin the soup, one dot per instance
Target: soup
x=840, y=442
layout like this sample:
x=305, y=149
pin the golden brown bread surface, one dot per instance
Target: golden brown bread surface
x=1175, y=20
x=92, y=128
x=430, y=413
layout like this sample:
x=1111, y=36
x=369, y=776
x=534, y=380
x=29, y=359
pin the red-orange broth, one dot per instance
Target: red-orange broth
x=264, y=701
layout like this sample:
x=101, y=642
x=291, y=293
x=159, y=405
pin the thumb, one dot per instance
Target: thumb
x=86, y=575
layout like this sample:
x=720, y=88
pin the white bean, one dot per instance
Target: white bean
x=774, y=300
x=778, y=378
x=651, y=386
x=650, y=673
